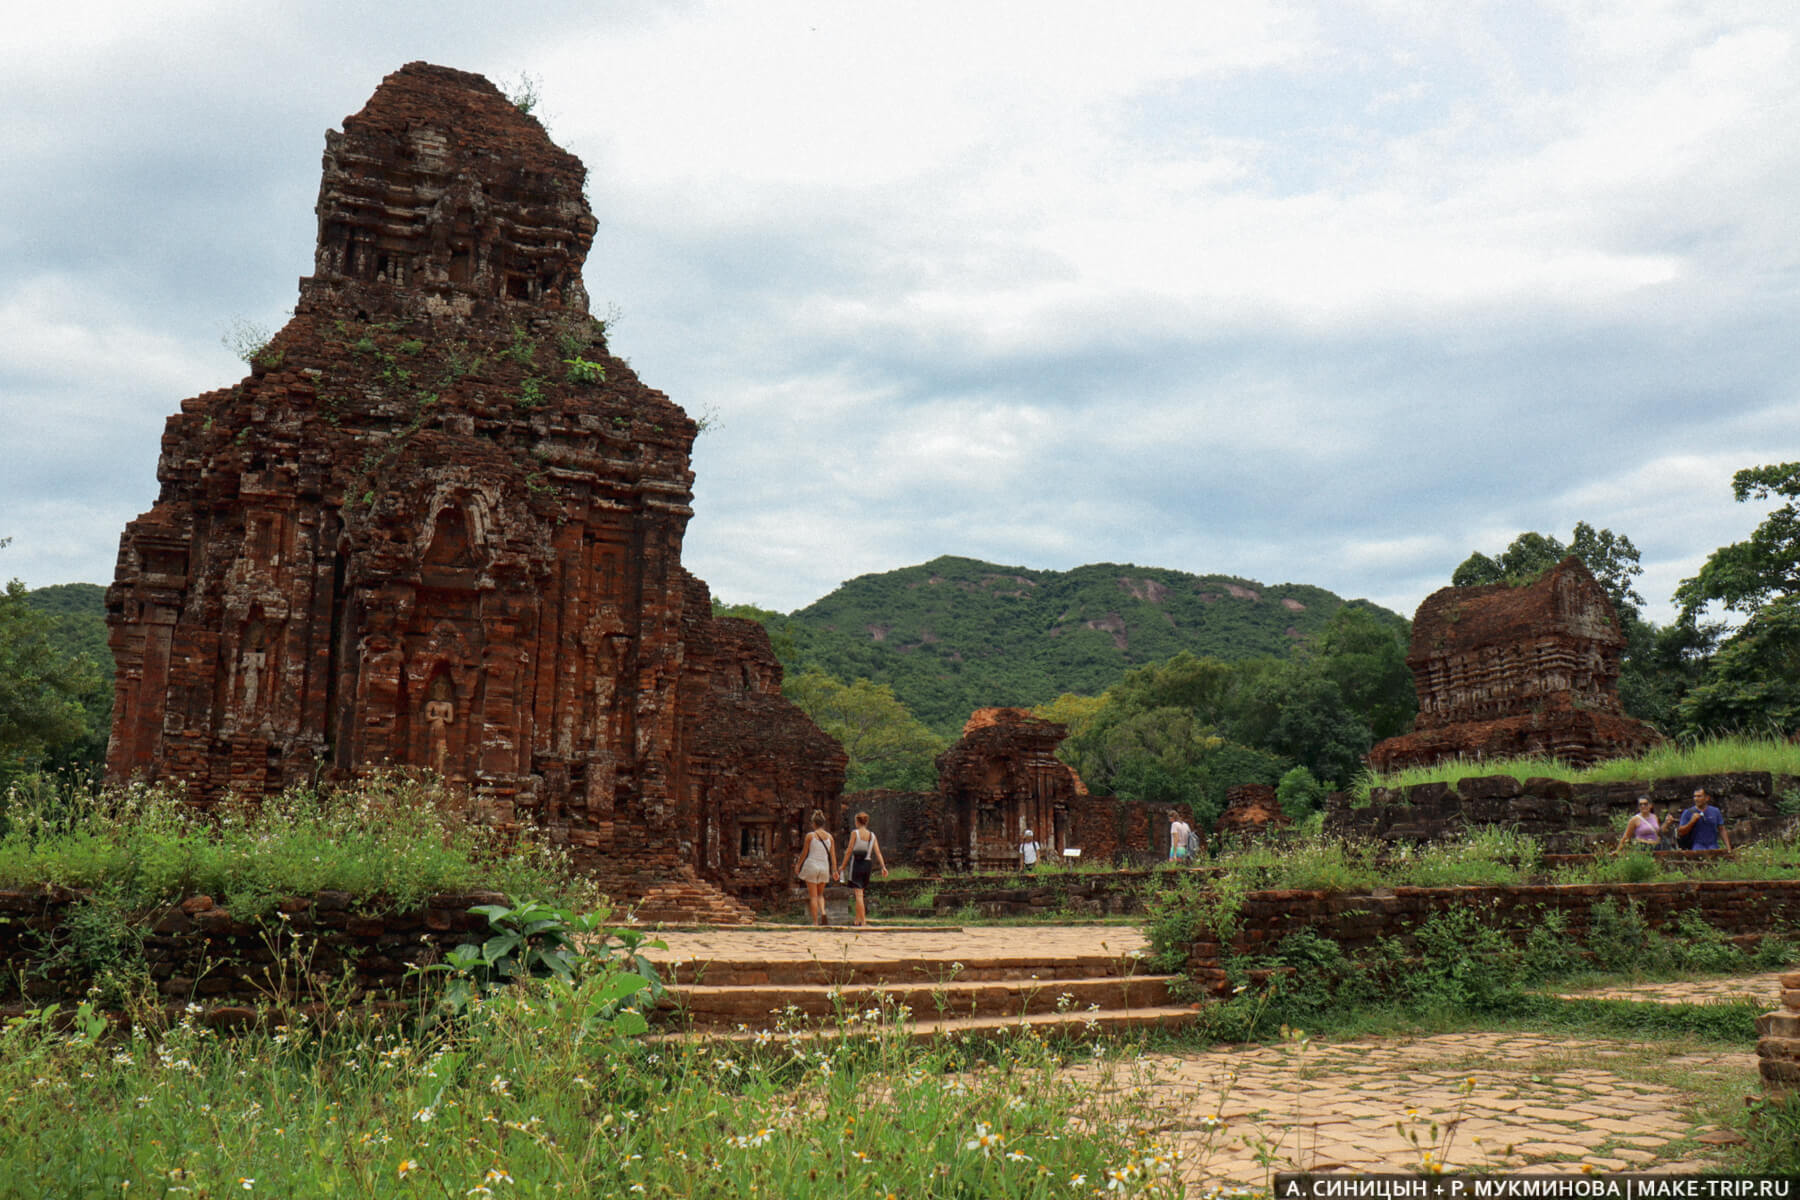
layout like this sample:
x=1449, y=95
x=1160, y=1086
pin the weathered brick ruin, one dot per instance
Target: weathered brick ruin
x=1000, y=779
x=1251, y=810
x=1565, y=818
x=439, y=525
x=1778, y=1040
x=1506, y=670
x=1744, y=910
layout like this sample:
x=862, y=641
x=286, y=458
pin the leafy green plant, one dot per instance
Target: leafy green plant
x=249, y=341
x=531, y=393
x=99, y=939
x=1693, y=945
x=1774, y=1132
x=1463, y=963
x=1620, y=939
x=521, y=348
x=534, y=940
x=582, y=370
x=1549, y=952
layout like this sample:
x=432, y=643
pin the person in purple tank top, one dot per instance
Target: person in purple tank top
x=1642, y=830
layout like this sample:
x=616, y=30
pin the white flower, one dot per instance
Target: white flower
x=746, y=1140
x=985, y=1140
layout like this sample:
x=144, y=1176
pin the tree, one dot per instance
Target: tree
x=887, y=745
x=41, y=690
x=1076, y=713
x=1165, y=757
x=1745, y=575
x=1610, y=557
x=1292, y=709
x=1204, y=686
x=1366, y=657
x=1753, y=682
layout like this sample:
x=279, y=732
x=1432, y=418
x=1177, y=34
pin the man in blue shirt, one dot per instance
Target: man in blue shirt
x=1703, y=824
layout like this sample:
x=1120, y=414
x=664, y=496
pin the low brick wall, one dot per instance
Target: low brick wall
x=1357, y=921
x=1564, y=817
x=312, y=947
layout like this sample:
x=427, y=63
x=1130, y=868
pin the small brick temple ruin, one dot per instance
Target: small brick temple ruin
x=1504, y=670
x=1000, y=779
x=439, y=525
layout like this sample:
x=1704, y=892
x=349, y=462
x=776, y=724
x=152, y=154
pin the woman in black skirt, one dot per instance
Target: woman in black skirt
x=861, y=850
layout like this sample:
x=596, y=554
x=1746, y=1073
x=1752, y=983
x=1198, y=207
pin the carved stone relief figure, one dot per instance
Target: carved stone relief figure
x=440, y=713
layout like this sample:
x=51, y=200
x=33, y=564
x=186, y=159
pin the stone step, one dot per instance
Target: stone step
x=896, y=972
x=690, y=902
x=1083, y=1025
x=757, y=1006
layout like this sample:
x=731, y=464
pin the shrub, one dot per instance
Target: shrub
x=1191, y=909
x=1620, y=940
x=1463, y=963
x=1549, y=952
x=1697, y=946
x=1300, y=793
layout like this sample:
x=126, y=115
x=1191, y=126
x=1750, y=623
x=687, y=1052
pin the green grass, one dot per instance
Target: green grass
x=516, y=1102
x=389, y=842
x=1713, y=756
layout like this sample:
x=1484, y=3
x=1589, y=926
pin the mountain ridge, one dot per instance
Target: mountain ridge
x=954, y=633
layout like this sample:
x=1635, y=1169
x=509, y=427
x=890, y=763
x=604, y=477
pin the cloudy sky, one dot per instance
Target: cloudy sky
x=1330, y=293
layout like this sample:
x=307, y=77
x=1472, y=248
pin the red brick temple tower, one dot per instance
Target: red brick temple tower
x=440, y=525
x=1504, y=670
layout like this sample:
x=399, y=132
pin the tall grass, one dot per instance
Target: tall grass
x=391, y=840
x=513, y=1103
x=1712, y=756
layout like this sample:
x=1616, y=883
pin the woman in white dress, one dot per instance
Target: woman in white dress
x=814, y=866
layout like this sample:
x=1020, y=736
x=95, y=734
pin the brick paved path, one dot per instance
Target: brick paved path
x=1760, y=989
x=1500, y=1101
x=947, y=945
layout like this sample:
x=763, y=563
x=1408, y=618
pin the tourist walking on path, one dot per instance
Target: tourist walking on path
x=814, y=867
x=860, y=853
x=1028, y=852
x=1178, y=837
x=1702, y=824
x=1642, y=830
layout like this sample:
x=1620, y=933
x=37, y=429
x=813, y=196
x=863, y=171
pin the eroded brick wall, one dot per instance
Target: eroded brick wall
x=312, y=948
x=1357, y=922
x=1564, y=817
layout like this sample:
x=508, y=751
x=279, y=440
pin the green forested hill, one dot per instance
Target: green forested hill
x=956, y=634
x=79, y=610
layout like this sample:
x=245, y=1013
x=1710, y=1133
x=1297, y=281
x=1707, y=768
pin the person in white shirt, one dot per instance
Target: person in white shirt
x=1178, y=837
x=1028, y=852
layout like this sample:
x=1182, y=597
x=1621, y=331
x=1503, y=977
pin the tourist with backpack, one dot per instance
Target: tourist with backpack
x=1181, y=839
x=1702, y=825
